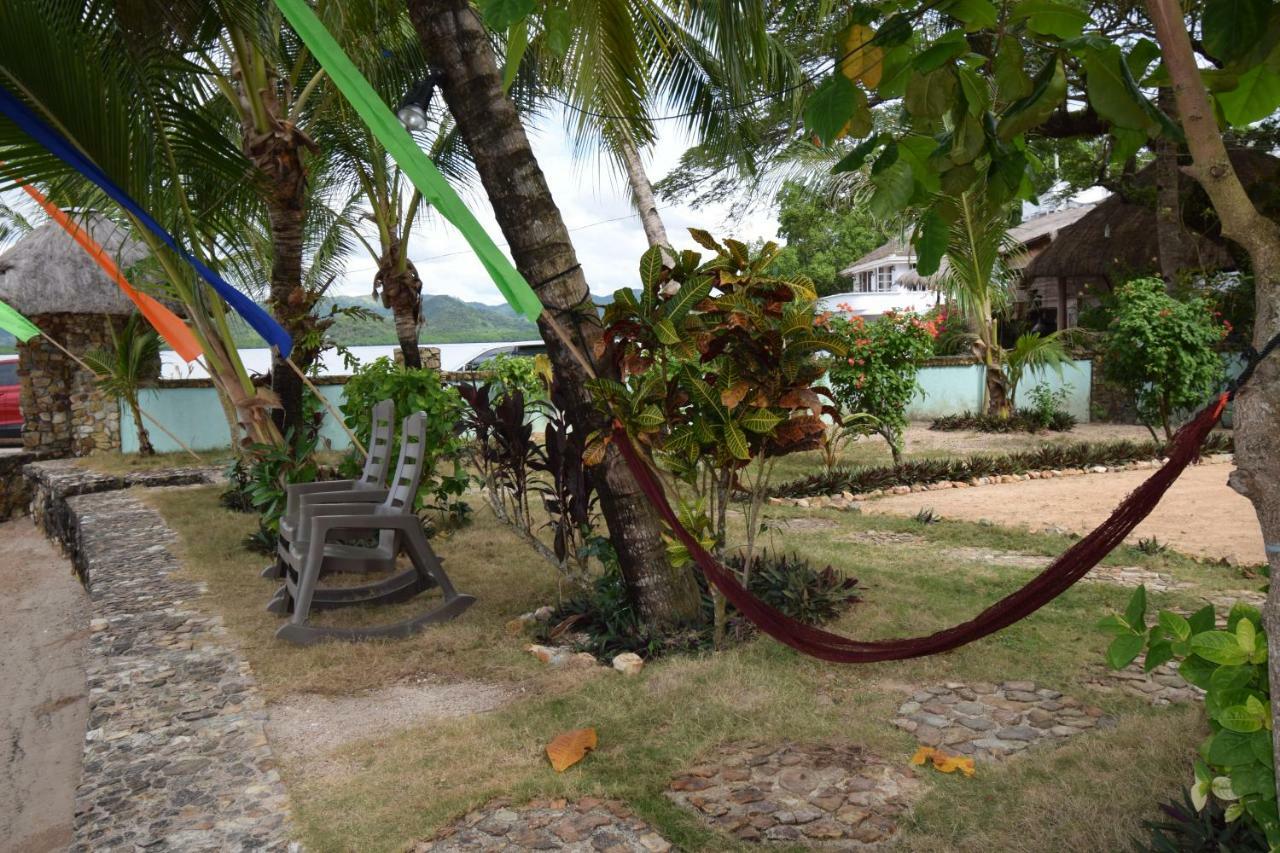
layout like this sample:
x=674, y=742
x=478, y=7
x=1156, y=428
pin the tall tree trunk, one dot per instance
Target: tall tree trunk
x=145, y=448
x=277, y=154
x=459, y=48
x=402, y=293
x=1257, y=407
x=1171, y=237
x=642, y=193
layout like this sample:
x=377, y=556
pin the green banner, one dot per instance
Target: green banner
x=17, y=325
x=415, y=164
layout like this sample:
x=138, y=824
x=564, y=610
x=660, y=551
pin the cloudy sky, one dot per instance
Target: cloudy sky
x=593, y=200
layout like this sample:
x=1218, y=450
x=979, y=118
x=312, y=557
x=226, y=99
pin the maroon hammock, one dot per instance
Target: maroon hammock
x=1072, y=565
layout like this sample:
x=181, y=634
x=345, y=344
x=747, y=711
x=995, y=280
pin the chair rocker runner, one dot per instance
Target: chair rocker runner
x=369, y=487
x=307, y=556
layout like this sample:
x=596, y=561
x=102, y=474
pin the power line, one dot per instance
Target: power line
x=805, y=80
x=504, y=243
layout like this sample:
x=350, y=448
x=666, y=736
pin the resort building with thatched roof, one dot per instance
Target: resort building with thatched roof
x=1119, y=239
x=48, y=277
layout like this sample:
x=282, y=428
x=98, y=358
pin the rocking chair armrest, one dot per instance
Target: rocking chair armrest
x=352, y=496
x=295, y=491
x=358, y=517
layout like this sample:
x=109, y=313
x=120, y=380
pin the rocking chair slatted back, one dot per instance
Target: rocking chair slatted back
x=378, y=460
x=408, y=474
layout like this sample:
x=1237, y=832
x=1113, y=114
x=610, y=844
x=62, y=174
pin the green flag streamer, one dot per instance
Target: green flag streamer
x=17, y=325
x=415, y=164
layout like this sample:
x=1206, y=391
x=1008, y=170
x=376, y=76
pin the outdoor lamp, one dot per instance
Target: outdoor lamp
x=412, y=111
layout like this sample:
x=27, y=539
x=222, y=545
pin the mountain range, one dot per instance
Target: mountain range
x=448, y=320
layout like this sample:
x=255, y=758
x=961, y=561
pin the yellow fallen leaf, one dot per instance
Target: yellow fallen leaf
x=943, y=762
x=567, y=749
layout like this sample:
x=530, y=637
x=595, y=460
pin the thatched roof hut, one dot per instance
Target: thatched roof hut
x=48, y=277
x=47, y=272
x=1117, y=239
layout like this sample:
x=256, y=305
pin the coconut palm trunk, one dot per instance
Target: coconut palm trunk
x=145, y=447
x=401, y=288
x=642, y=194
x=457, y=43
x=1257, y=412
x=274, y=145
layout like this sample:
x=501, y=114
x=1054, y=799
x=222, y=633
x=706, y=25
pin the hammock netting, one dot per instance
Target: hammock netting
x=1068, y=568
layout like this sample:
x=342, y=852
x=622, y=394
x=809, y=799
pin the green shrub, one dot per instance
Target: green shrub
x=1049, y=407
x=508, y=373
x=1237, y=764
x=877, y=376
x=605, y=618
x=1188, y=830
x=1047, y=458
x=1163, y=350
x=443, y=477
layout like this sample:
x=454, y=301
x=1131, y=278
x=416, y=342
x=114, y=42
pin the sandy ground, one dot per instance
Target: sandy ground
x=308, y=730
x=1200, y=515
x=43, y=702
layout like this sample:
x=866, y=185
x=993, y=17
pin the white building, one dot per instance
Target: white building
x=879, y=285
x=886, y=280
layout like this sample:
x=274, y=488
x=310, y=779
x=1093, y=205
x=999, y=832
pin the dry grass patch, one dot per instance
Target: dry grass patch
x=483, y=560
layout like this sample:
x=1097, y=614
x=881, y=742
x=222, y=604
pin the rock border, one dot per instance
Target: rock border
x=176, y=755
x=847, y=500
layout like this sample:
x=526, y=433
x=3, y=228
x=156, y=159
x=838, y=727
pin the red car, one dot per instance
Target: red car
x=10, y=414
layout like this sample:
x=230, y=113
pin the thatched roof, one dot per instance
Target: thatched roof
x=1117, y=239
x=46, y=272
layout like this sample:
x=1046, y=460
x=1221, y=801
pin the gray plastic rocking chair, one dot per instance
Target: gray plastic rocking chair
x=370, y=486
x=306, y=558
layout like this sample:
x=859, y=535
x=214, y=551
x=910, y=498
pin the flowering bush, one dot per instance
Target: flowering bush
x=878, y=376
x=1163, y=350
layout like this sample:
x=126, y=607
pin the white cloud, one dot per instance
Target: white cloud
x=594, y=202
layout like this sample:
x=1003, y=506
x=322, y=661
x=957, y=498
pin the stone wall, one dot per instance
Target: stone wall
x=65, y=412
x=15, y=493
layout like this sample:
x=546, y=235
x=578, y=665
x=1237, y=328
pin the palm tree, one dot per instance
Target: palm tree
x=124, y=103
x=458, y=46
x=978, y=280
x=120, y=371
x=1035, y=353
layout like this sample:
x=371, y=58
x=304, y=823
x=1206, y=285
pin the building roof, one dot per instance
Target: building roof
x=1045, y=225
x=47, y=272
x=1118, y=238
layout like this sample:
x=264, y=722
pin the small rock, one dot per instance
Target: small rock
x=628, y=663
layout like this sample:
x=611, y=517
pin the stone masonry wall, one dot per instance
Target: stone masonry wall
x=65, y=412
x=15, y=493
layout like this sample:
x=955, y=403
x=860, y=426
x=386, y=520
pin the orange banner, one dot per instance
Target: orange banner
x=169, y=325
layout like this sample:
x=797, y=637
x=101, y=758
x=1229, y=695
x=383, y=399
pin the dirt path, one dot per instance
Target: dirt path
x=1199, y=515
x=308, y=730
x=43, y=704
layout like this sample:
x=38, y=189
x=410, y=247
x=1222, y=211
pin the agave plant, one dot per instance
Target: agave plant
x=122, y=370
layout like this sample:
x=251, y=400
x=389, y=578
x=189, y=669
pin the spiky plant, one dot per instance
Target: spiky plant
x=121, y=371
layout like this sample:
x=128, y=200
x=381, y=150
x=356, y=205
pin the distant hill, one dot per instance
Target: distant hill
x=449, y=320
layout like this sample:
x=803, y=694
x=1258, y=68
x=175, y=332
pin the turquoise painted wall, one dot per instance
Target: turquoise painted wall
x=952, y=389
x=194, y=415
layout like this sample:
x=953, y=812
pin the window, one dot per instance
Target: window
x=862, y=283
x=884, y=279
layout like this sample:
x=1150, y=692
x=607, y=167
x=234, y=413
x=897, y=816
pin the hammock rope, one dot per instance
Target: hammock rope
x=1055, y=579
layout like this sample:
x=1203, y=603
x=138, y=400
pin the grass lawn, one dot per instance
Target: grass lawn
x=381, y=793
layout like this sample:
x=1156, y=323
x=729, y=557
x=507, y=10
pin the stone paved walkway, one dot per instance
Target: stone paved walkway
x=587, y=825
x=175, y=757
x=1162, y=686
x=810, y=794
x=993, y=721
